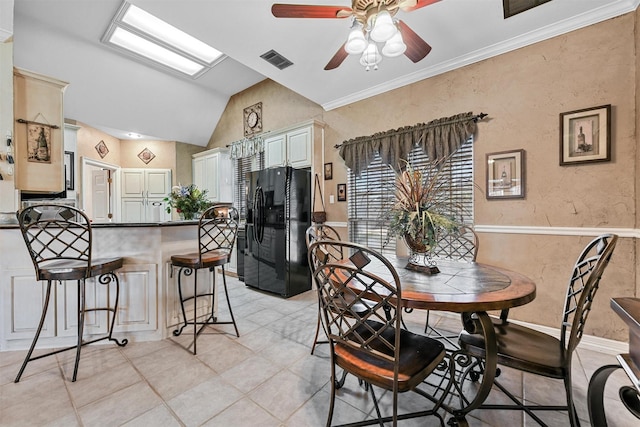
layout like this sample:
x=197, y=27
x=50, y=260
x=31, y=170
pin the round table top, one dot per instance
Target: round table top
x=463, y=287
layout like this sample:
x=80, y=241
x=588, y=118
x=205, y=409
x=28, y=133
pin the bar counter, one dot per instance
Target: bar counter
x=148, y=306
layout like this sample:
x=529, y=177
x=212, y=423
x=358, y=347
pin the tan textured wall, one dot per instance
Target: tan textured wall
x=523, y=92
x=165, y=154
x=88, y=137
x=184, y=175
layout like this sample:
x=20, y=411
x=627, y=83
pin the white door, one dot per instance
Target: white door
x=134, y=210
x=133, y=183
x=299, y=148
x=274, y=151
x=100, y=211
x=158, y=183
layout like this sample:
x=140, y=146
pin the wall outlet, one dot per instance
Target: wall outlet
x=331, y=199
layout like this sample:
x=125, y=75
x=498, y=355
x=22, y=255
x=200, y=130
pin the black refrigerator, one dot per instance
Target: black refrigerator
x=278, y=215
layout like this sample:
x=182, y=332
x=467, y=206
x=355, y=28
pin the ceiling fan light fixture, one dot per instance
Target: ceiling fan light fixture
x=356, y=43
x=371, y=57
x=394, y=46
x=383, y=27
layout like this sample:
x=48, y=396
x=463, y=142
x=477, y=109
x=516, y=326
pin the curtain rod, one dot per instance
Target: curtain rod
x=474, y=118
x=37, y=123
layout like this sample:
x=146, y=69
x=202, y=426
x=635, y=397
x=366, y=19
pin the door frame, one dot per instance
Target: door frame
x=114, y=187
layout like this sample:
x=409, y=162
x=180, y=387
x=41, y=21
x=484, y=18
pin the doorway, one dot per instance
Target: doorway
x=99, y=190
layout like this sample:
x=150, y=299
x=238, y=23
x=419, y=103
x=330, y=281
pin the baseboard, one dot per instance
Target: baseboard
x=588, y=342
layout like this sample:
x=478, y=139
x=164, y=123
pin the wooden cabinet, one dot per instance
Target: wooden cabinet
x=293, y=147
x=38, y=132
x=212, y=171
x=143, y=192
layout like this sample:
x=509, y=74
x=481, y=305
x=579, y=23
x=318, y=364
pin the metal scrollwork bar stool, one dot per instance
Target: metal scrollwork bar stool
x=59, y=241
x=217, y=231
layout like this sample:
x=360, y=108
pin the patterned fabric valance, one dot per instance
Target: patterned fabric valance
x=247, y=147
x=438, y=138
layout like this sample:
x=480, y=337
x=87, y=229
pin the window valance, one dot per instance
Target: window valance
x=246, y=147
x=438, y=138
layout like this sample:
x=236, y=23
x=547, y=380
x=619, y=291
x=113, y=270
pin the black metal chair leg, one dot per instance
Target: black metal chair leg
x=106, y=279
x=226, y=293
x=81, y=311
x=195, y=311
x=27, y=359
x=187, y=272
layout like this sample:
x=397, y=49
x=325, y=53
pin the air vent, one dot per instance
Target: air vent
x=275, y=59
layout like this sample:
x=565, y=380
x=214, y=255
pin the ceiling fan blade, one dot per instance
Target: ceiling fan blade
x=410, y=5
x=417, y=48
x=280, y=10
x=337, y=59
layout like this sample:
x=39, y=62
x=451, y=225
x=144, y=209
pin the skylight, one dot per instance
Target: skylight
x=138, y=33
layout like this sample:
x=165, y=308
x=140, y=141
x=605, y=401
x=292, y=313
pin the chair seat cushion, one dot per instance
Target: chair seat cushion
x=521, y=348
x=74, y=269
x=209, y=259
x=419, y=356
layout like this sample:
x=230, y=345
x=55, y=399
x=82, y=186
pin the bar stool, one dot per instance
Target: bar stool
x=59, y=241
x=217, y=231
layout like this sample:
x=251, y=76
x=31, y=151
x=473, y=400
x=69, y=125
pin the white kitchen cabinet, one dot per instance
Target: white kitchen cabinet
x=290, y=148
x=212, y=172
x=142, y=194
x=137, y=304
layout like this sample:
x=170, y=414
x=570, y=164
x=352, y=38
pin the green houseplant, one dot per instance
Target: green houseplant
x=422, y=207
x=187, y=200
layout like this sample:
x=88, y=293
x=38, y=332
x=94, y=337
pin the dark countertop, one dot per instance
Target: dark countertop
x=123, y=224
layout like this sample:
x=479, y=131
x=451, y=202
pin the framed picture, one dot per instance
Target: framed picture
x=146, y=156
x=505, y=175
x=328, y=171
x=585, y=135
x=38, y=143
x=513, y=7
x=342, y=192
x=68, y=170
x=102, y=149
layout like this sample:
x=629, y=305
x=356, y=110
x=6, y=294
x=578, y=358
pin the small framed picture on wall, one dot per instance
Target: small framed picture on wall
x=342, y=192
x=328, y=171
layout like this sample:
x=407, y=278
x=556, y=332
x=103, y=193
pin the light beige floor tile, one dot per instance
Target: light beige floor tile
x=259, y=339
x=224, y=354
x=283, y=394
x=120, y=406
x=251, y=373
x=204, y=401
x=170, y=384
x=315, y=411
x=88, y=389
x=245, y=412
x=158, y=416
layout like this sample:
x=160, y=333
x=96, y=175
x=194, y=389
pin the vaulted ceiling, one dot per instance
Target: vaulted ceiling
x=115, y=93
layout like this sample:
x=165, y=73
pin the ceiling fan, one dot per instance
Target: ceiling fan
x=373, y=22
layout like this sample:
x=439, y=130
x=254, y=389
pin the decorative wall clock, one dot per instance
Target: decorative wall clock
x=253, y=119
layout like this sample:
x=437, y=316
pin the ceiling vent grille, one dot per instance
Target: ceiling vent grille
x=275, y=59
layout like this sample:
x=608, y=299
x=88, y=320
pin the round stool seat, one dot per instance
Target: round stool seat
x=212, y=258
x=73, y=269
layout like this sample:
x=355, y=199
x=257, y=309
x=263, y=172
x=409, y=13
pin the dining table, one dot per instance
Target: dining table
x=473, y=290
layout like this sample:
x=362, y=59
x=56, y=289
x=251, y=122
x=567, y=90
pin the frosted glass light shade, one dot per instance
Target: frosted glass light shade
x=383, y=28
x=371, y=57
x=394, y=46
x=356, y=43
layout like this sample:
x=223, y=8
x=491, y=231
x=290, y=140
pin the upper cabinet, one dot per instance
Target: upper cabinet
x=293, y=148
x=212, y=172
x=38, y=132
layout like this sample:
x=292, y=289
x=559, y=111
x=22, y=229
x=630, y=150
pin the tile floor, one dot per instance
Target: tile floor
x=264, y=378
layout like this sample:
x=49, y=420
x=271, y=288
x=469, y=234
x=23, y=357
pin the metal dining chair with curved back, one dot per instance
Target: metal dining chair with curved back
x=371, y=345
x=457, y=245
x=60, y=242
x=322, y=232
x=535, y=352
x=217, y=231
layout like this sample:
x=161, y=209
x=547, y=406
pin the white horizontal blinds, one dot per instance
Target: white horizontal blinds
x=241, y=167
x=369, y=195
x=372, y=194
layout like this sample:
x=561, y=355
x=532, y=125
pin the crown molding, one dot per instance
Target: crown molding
x=609, y=11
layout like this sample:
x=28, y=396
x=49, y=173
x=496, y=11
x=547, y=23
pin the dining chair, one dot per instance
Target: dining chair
x=217, y=231
x=60, y=242
x=371, y=345
x=538, y=353
x=456, y=245
x=322, y=232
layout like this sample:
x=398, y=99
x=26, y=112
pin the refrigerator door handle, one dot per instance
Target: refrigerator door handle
x=261, y=213
x=255, y=216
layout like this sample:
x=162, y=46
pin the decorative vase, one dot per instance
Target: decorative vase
x=188, y=216
x=420, y=257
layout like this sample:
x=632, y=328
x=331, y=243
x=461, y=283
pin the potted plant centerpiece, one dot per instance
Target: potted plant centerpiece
x=187, y=200
x=421, y=210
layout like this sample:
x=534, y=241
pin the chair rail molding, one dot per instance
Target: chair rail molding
x=556, y=231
